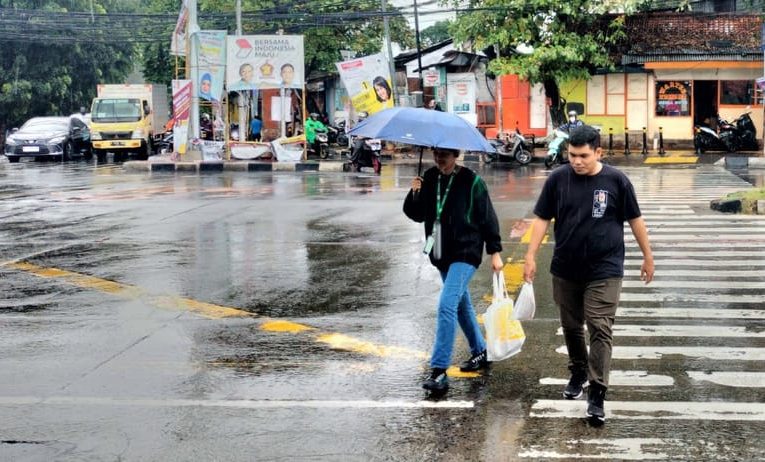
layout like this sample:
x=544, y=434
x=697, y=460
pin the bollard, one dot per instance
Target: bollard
x=645, y=142
x=626, y=142
x=696, y=145
x=661, y=142
x=610, y=142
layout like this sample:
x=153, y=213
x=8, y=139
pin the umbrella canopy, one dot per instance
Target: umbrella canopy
x=423, y=127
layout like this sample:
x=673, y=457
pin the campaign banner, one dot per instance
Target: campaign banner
x=211, y=58
x=181, y=113
x=368, y=82
x=178, y=41
x=256, y=62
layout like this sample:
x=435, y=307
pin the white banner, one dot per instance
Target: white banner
x=460, y=95
x=178, y=41
x=264, y=61
x=368, y=82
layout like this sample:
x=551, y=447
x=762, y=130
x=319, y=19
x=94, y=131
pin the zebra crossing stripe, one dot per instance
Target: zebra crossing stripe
x=707, y=235
x=698, y=262
x=694, y=313
x=737, y=379
x=700, y=273
x=604, y=449
x=657, y=352
x=654, y=410
x=654, y=230
x=632, y=330
x=700, y=253
x=677, y=284
x=699, y=245
x=623, y=379
x=691, y=298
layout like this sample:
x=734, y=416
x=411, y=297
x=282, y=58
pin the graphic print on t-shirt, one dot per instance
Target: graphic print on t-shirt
x=599, y=203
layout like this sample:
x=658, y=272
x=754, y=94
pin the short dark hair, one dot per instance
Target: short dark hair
x=584, y=135
x=453, y=152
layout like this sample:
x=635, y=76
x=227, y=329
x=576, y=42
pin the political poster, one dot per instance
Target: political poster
x=255, y=62
x=181, y=113
x=368, y=83
x=211, y=52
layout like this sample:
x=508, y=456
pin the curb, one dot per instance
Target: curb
x=219, y=166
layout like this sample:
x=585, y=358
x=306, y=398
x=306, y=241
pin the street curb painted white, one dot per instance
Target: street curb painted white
x=231, y=166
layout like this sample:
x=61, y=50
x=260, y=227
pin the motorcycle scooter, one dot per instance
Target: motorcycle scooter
x=512, y=147
x=366, y=152
x=741, y=134
x=555, y=149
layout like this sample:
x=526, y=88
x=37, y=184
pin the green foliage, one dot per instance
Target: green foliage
x=560, y=39
x=436, y=33
x=56, y=78
x=547, y=41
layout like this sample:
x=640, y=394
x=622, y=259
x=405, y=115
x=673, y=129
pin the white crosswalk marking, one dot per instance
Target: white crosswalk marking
x=696, y=331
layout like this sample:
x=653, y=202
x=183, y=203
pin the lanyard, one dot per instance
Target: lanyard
x=440, y=202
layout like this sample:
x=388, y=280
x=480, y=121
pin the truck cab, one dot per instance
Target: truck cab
x=124, y=119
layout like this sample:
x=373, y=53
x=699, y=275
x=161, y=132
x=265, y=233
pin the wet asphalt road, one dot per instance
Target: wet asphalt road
x=289, y=316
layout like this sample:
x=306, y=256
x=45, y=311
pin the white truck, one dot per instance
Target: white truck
x=125, y=118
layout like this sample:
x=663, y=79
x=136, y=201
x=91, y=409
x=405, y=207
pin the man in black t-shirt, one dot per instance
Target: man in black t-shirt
x=590, y=202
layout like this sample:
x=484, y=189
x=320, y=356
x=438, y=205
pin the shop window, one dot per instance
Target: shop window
x=736, y=92
x=673, y=98
x=487, y=114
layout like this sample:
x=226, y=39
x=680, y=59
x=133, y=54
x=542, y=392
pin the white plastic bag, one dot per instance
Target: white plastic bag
x=504, y=335
x=525, y=305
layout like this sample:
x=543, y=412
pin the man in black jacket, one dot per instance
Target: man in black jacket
x=454, y=204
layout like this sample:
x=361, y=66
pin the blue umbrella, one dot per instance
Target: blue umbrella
x=424, y=128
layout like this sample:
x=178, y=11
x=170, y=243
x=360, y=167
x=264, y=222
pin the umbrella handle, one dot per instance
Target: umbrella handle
x=419, y=164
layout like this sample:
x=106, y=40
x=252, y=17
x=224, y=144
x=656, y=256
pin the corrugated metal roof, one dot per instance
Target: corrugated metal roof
x=686, y=54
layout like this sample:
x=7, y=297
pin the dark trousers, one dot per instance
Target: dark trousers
x=594, y=303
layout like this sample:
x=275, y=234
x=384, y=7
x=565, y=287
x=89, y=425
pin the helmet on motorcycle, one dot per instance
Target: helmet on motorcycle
x=314, y=116
x=572, y=113
x=205, y=116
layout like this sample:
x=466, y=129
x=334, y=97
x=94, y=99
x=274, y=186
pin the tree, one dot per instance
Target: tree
x=547, y=41
x=42, y=75
x=436, y=33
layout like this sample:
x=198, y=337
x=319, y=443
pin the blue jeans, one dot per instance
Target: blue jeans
x=455, y=306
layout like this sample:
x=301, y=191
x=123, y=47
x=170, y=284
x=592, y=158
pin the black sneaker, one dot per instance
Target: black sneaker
x=595, y=408
x=438, y=381
x=576, y=385
x=475, y=363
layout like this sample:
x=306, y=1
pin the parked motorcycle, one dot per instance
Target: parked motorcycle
x=555, y=149
x=164, y=145
x=366, y=152
x=741, y=134
x=511, y=147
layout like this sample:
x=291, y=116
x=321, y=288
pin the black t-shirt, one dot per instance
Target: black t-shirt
x=589, y=213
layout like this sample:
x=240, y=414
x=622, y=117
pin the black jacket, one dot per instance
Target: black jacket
x=467, y=221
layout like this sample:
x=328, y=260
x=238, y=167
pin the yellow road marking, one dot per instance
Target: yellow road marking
x=284, y=326
x=335, y=341
x=672, y=160
x=346, y=343
x=168, y=302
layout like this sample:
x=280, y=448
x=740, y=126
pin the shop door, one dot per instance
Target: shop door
x=704, y=102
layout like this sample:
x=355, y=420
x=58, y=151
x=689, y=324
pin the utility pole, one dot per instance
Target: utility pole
x=193, y=28
x=417, y=41
x=241, y=95
x=391, y=66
